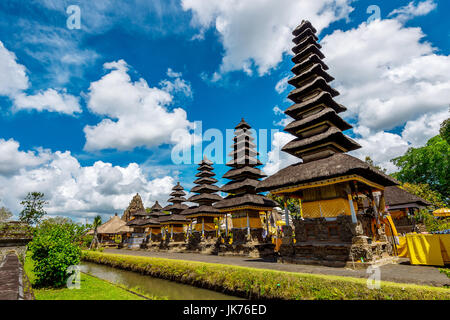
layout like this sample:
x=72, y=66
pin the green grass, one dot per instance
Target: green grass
x=266, y=284
x=91, y=288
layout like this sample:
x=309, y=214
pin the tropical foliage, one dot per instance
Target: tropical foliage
x=33, y=210
x=55, y=247
x=427, y=165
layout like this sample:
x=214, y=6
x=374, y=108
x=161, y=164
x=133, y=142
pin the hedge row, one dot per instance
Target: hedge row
x=265, y=284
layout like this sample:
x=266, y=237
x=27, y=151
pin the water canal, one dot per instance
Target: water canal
x=153, y=286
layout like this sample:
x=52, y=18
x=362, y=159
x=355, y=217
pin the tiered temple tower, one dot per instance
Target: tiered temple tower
x=153, y=224
x=137, y=221
x=243, y=202
x=203, y=214
x=174, y=222
x=328, y=182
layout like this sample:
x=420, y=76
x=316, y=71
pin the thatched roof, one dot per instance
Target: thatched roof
x=318, y=83
x=327, y=114
x=256, y=200
x=113, y=226
x=336, y=165
x=156, y=207
x=315, y=69
x=302, y=27
x=167, y=219
x=322, y=98
x=397, y=197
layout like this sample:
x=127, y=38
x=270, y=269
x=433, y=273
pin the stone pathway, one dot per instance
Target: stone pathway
x=401, y=273
x=11, y=279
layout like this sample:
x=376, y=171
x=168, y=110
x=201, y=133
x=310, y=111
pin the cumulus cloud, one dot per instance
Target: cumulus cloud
x=282, y=85
x=412, y=10
x=390, y=79
x=276, y=159
x=14, y=81
x=135, y=114
x=177, y=84
x=257, y=34
x=74, y=190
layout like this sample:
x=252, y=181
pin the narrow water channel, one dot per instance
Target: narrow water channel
x=153, y=286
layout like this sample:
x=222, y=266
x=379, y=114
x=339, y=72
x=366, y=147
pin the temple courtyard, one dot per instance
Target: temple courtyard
x=402, y=272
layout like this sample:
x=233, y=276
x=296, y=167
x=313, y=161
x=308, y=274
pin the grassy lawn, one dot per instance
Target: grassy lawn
x=266, y=284
x=91, y=288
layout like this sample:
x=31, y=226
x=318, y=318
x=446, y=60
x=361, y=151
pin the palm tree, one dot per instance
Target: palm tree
x=96, y=224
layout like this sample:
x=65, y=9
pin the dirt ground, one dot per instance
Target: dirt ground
x=402, y=272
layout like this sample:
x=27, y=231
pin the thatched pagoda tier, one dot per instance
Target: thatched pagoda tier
x=314, y=105
x=156, y=211
x=302, y=27
x=312, y=88
x=244, y=161
x=338, y=167
x=205, y=197
x=248, y=201
x=205, y=193
x=241, y=186
x=306, y=52
x=205, y=188
x=245, y=172
x=175, y=208
x=151, y=222
x=172, y=218
x=178, y=187
x=140, y=213
x=177, y=199
x=326, y=115
x=178, y=193
x=321, y=145
x=207, y=174
x=205, y=180
x=307, y=62
x=304, y=34
x=313, y=70
x=309, y=40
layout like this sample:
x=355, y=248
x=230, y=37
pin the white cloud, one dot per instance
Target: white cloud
x=386, y=74
x=412, y=10
x=73, y=190
x=49, y=100
x=277, y=159
x=14, y=78
x=258, y=33
x=282, y=85
x=389, y=78
x=177, y=84
x=136, y=114
x=12, y=160
x=14, y=81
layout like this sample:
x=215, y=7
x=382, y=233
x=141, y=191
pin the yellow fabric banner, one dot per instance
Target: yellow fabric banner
x=425, y=249
x=402, y=248
x=445, y=247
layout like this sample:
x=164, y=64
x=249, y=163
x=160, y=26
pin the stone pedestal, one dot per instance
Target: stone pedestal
x=252, y=245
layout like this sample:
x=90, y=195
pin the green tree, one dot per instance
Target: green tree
x=444, y=132
x=425, y=192
x=370, y=162
x=293, y=205
x=33, y=209
x=427, y=165
x=53, y=249
x=5, y=214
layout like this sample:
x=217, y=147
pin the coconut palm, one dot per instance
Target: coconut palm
x=96, y=224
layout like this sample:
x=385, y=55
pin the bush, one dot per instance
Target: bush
x=54, y=248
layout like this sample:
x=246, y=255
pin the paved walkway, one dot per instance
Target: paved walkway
x=10, y=278
x=402, y=273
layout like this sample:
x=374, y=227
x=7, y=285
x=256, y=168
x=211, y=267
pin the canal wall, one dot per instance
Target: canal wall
x=254, y=283
x=14, y=283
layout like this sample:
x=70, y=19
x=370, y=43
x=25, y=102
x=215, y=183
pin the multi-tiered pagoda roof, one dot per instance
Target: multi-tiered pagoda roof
x=316, y=125
x=243, y=174
x=177, y=197
x=206, y=192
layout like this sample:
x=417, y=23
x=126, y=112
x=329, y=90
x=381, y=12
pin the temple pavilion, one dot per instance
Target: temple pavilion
x=205, y=216
x=174, y=222
x=138, y=221
x=334, y=229
x=153, y=225
x=243, y=202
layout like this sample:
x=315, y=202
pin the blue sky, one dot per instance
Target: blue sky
x=136, y=62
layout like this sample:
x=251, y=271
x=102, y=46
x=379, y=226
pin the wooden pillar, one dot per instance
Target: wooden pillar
x=267, y=224
x=151, y=233
x=203, y=226
x=248, y=223
x=286, y=212
x=226, y=225
x=350, y=202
